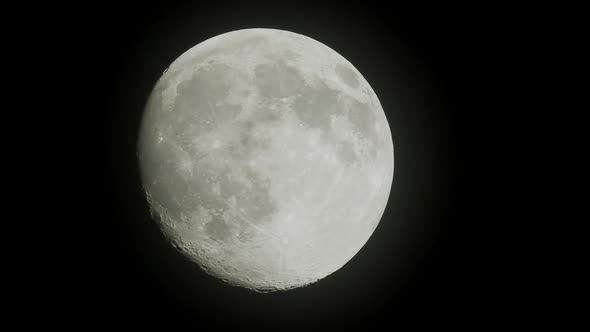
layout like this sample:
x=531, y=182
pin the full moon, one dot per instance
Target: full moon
x=266, y=158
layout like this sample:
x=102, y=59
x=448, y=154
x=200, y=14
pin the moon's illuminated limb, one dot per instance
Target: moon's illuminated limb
x=266, y=157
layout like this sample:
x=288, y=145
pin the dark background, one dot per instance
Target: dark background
x=425, y=264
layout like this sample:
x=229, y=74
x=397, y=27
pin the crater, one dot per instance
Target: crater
x=246, y=233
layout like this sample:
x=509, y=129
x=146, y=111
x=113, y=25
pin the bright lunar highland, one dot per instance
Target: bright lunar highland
x=266, y=158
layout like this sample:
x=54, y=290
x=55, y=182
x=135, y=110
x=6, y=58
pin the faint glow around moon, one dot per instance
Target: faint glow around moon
x=266, y=158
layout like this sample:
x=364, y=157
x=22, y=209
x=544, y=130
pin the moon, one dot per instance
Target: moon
x=266, y=158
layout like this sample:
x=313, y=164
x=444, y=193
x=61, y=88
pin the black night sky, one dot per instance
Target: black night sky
x=422, y=265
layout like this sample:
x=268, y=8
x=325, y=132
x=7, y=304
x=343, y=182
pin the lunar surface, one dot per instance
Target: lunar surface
x=266, y=158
